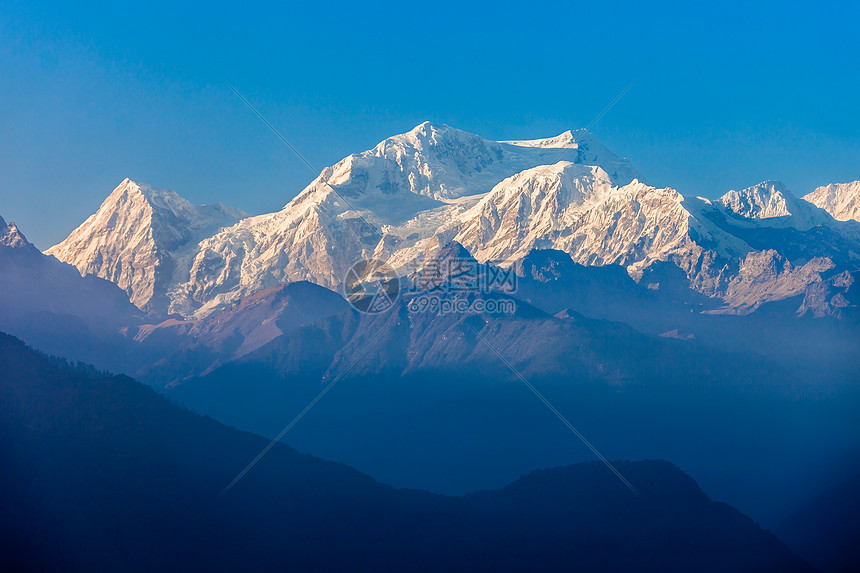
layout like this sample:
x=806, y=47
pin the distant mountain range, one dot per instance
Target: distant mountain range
x=435, y=184
x=426, y=402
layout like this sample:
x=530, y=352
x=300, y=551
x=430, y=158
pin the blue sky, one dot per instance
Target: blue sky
x=724, y=96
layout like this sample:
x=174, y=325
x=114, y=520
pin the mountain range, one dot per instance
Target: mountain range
x=435, y=184
x=719, y=334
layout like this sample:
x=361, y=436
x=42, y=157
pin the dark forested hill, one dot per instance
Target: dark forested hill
x=101, y=473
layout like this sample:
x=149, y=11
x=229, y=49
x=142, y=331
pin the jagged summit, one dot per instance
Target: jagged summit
x=841, y=200
x=445, y=163
x=766, y=200
x=772, y=204
x=165, y=200
x=577, y=209
x=137, y=237
x=12, y=237
x=161, y=198
x=432, y=133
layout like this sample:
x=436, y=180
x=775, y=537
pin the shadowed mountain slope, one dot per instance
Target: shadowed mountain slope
x=99, y=472
x=826, y=531
x=51, y=306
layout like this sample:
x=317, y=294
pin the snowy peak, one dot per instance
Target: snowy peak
x=385, y=202
x=446, y=164
x=577, y=209
x=563, y=183
x=136, y=237
x=841, y=200
x=766, y=200
x=129, y=190
x=167, y=210
x=138, y=211
x=771, y=204
x=436, y=162
x=427, y=135
x=11, y=237
x=582, y=148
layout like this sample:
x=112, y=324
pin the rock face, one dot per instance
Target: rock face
x=139, y=238
x=415, y=192
x=578, y=210
x=841, y=200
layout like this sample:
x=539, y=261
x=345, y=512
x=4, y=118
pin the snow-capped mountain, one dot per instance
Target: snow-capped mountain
x=841, y=200
x=767, y=200
x=417, y=192
x=771, y=203
x=386, y=202
x=140, y=238
x=12, y=238
x=577, y=209
x=446, y=164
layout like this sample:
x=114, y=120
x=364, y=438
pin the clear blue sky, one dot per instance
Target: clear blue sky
x=726, y=95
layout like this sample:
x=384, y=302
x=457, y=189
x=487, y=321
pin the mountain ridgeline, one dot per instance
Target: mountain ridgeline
x=500, y=200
